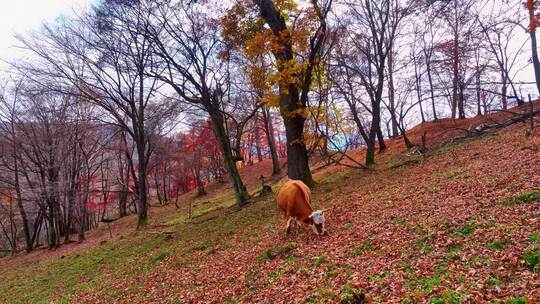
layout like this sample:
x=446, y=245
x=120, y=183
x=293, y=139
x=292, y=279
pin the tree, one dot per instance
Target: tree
x=295, y=41
x=460, y=19
x=498, y=40
x=363, y=56
x=102, y=58
x=8, y=124
x=188, y=44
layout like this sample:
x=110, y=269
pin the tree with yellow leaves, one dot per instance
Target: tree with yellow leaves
x=293, y=38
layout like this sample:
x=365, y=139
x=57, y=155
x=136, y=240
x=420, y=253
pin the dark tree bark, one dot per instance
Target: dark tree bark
x=217, y=119
x=431, y=88
x=20, y=206
x=269, y=131
x=391, y=95
x=534, y=47
x=418, y=81
x=257, y=140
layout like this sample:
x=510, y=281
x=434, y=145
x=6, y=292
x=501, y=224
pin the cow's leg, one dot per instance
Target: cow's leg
x=297, y=227
x=289, y=222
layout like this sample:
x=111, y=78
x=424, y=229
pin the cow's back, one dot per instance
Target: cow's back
x=294, y=198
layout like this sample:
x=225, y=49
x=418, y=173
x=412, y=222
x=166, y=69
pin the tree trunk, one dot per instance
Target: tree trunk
x=53, y=201
x=141, y=144
x=297, y=156
x=391, y=94
x=158, y=187
x=52, y=235
x=504, y=88
x=257, y=140
x=70, y=204
x=430, y=80
x=455, y=73
x=80, y=233
x=269, y=130
x=461, y=102
x=292, y=106
x=142, y=207
x=370, y=153
x=534, y=51
x=418, y=81
x=200, y=184
x=478, y=94
x=374, y=129
x=380, y=139
x=20, y=206
x=216, y=116
x=123, y=196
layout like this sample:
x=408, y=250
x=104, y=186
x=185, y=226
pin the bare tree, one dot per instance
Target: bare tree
x=372, y=28
x=188, y=43
x=102, y=58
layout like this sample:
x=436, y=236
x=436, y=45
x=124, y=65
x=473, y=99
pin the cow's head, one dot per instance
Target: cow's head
x=318, y=221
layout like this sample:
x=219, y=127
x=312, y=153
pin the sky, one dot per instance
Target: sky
x=20, y=16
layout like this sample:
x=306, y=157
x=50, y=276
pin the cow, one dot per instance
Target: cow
x=294, y=199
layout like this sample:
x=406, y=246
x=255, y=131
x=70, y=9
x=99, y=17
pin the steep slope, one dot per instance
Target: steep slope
x=459, y=225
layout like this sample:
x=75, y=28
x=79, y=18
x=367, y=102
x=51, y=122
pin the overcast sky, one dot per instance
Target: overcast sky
x=20, y=16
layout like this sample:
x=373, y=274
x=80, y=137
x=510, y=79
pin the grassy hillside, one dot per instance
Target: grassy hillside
x=461, y=225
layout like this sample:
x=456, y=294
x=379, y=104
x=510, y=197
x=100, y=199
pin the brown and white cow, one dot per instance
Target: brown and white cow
x=294, y=198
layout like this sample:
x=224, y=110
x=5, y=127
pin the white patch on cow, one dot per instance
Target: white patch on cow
x=318, y=217
x=289, y=222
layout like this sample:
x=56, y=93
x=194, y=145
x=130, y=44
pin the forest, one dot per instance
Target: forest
x=140, y=105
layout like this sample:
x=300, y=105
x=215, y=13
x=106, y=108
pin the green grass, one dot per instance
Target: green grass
x=530, y=196
x=424, y=284
x=466, y=230
x=75, y=272
x=447, y=148
x=159, y=257
x=58, y=280
x=285, y=252
x=453, y=252
x=401, y=161
x=531, y=255
x=399, y=221
x=363, y=247
x=453, y=173
x=318, y=260
x=534, y=237
x=497, y=245
x=424, y=243
x=517, y=300
x=447, y=297
x=200, y=246
x=494, y=281
x=348, y=294
x=335, y=177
